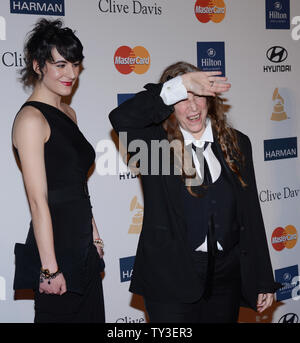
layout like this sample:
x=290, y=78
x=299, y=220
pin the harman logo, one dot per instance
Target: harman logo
x=211, y=56
x=288, y=277
x=126, y=268
x=210, y=10
x=278, y=14
x=277, y=54
x=2, y=28
x=39, y=7
x=290, y=318
x=127, y=60
x=284, y=237
x=136, y=7
x=281, y=148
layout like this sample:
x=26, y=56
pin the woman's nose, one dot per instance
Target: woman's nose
x=193, y=105
x=71, y=72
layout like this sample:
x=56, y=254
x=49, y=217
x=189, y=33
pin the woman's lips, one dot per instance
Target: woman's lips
x=194, y=117
x=65, y=83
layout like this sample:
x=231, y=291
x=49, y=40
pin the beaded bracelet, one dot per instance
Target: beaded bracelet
x=99, y=242
x=46, y=275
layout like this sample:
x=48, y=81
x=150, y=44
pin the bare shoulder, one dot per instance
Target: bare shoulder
x=29, y=120
x=29, y=115
x=69, y=111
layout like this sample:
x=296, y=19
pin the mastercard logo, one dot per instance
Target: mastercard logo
x=284, y=237
x=127, y=60
x=210, y=10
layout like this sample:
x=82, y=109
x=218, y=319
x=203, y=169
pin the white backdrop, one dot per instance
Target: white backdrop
x=169, y=30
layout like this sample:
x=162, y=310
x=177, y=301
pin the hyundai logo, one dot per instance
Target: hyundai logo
x=277, y=54
x=289, y=318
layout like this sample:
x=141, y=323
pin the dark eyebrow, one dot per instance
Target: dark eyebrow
x=60, y=61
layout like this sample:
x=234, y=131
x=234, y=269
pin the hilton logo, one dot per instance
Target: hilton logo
x=211, y=56
x=2, y=28
x=278, y=14
x=288, y=277
x=276, y=55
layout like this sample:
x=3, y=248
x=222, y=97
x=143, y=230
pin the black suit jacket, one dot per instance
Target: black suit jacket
x=164, y=269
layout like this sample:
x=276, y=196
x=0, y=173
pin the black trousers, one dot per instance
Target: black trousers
x=222, y=306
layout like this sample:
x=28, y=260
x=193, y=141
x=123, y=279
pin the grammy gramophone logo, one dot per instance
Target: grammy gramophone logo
x=278, y=109
x=137, y=219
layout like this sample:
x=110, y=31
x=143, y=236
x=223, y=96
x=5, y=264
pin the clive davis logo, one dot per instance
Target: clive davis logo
x=210, y=10
x=278, y=14
x=281, y=148
x=127, y=60
x=284, y=237
x=211, y=56
x=39, y=7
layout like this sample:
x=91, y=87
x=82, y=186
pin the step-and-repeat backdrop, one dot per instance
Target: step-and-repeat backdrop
x=255, y=43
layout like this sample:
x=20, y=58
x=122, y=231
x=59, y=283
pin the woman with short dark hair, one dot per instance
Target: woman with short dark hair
x=202, y=250
x=62, y=257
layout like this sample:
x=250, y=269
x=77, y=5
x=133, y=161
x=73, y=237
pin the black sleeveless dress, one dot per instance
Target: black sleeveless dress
x=68, y=158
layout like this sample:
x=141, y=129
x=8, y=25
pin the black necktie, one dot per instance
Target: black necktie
x=211, y=239
x=204, y=170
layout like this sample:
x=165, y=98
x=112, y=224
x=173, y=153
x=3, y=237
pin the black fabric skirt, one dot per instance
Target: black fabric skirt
x=73, y=307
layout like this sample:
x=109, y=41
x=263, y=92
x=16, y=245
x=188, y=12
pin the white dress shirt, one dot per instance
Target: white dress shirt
x=174, y=91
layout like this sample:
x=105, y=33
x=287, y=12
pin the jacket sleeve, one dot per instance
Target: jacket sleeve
x=264, y=273
x=140, y=117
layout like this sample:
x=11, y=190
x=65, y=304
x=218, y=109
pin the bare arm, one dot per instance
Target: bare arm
x=30, y=132
x=96, y=237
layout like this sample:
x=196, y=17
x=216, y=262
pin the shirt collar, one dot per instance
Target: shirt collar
x=207, y=135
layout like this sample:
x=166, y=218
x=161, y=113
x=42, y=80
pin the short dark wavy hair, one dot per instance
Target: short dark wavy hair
x=45, y=36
